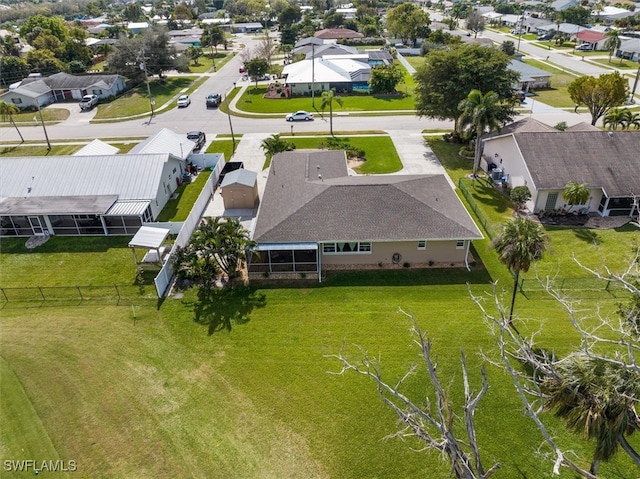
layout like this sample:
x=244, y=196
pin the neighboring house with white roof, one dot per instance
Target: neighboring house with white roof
x=343, y=74
x=530, y=153
x=166, y=141
x=314, y=216
x=610, y=13
x=97, y=147
x=85, y=195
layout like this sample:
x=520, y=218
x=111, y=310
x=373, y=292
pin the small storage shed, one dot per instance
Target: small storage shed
x=240, y=189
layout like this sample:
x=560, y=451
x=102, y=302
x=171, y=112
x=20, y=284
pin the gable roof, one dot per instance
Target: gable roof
x=309, y=196
x=526, y=124
x=609, y=160
x=630, y=45
x=328, y=69
x=590, y=36
x=583, y=126
x=96, y=147
x=35, y=89
x=165, y=141
x=528, y=72
x=59, y=81
x=240, y=177
x=127, y=176
x=336, y=33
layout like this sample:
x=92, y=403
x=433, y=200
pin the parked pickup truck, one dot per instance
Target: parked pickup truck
x=88, y=102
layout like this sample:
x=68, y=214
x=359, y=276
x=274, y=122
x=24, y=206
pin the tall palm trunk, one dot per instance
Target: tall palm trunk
x=513, y=296
x=331, y=118
x=16, y=127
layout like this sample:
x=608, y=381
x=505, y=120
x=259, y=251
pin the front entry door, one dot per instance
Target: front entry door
x=36, y=225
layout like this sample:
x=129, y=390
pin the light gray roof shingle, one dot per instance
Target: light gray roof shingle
x=60, y=81
x=310, y=197
x=240, y=177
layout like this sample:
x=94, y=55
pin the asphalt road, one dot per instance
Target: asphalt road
x=213, y=121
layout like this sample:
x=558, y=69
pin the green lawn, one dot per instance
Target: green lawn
x=49, y=115
x=178, y=209
x=380, y=153
x=615, y=63
x=415, y=62
x=136, y=101
x=206, y=62
x=557, y=95
x=38, y=150
x=223, y=146
x=257, y=399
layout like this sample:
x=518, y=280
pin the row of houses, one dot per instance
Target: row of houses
x=315, y=214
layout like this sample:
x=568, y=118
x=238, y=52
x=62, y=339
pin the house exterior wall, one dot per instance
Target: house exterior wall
x=595, y=195
x=169, y=181
x=504, y=152
x=240, y=196
x=305, y=88
x=22, y=101
x=382, y=252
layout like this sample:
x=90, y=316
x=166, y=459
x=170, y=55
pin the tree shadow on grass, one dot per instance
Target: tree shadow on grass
x=587, y=235
x=220, y=308
x=489, y=196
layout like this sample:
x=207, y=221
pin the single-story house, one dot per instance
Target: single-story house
x=239, y=189
x=250, y=27
x=629, y=49
x=137, y=27
x=570, y=29
x=347, y=13
x=530, y=77
x=544, y=159
x=594, y=38
x=337, y=34
x=343, y=74
x=85, y=195
x=313, y=47
x=63, y=87
x=609, y=13
x=560, y=5
x=532, y=24
x=511, y=20
x=314, y=216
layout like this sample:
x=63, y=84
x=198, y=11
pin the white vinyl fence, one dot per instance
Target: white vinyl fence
x=164, y=277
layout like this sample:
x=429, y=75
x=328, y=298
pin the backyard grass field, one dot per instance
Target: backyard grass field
x=238, y=383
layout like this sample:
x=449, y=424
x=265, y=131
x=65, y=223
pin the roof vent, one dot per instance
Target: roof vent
x=610, y=133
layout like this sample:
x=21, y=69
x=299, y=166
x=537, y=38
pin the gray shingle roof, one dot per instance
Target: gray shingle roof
x=609, y=160
x=62, y=80
x=299, y=206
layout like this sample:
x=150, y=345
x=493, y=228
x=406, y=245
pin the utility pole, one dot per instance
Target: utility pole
x=635, y=85
x=43, y=127
x=233, y=138
x=143, y=66
x=313, y=75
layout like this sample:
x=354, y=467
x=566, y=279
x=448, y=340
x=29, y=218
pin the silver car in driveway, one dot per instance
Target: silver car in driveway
x=299, y=116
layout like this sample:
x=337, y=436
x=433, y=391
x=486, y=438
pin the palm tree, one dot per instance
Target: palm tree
x=575, y=193
x=328, y=97
x=597, y=398
x=274, y=144
x=521, y=243
x=630, y=119
x=613, y=42
x=7, y=110
x=614, y=118
x=479, y=112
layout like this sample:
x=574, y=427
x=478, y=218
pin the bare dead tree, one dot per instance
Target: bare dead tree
x=264, y=49
x=433, y=424
x=605, y=340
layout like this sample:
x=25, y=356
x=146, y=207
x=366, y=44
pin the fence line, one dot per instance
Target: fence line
x=112, y=293
x=476, y=209
x=165, y=275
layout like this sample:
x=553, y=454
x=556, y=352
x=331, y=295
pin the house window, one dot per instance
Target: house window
x=422, y=244
x=552, y=199
x=96, y=92
x=460, y=244
x=329, y=248
x=353, y=247
x=17, y=101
